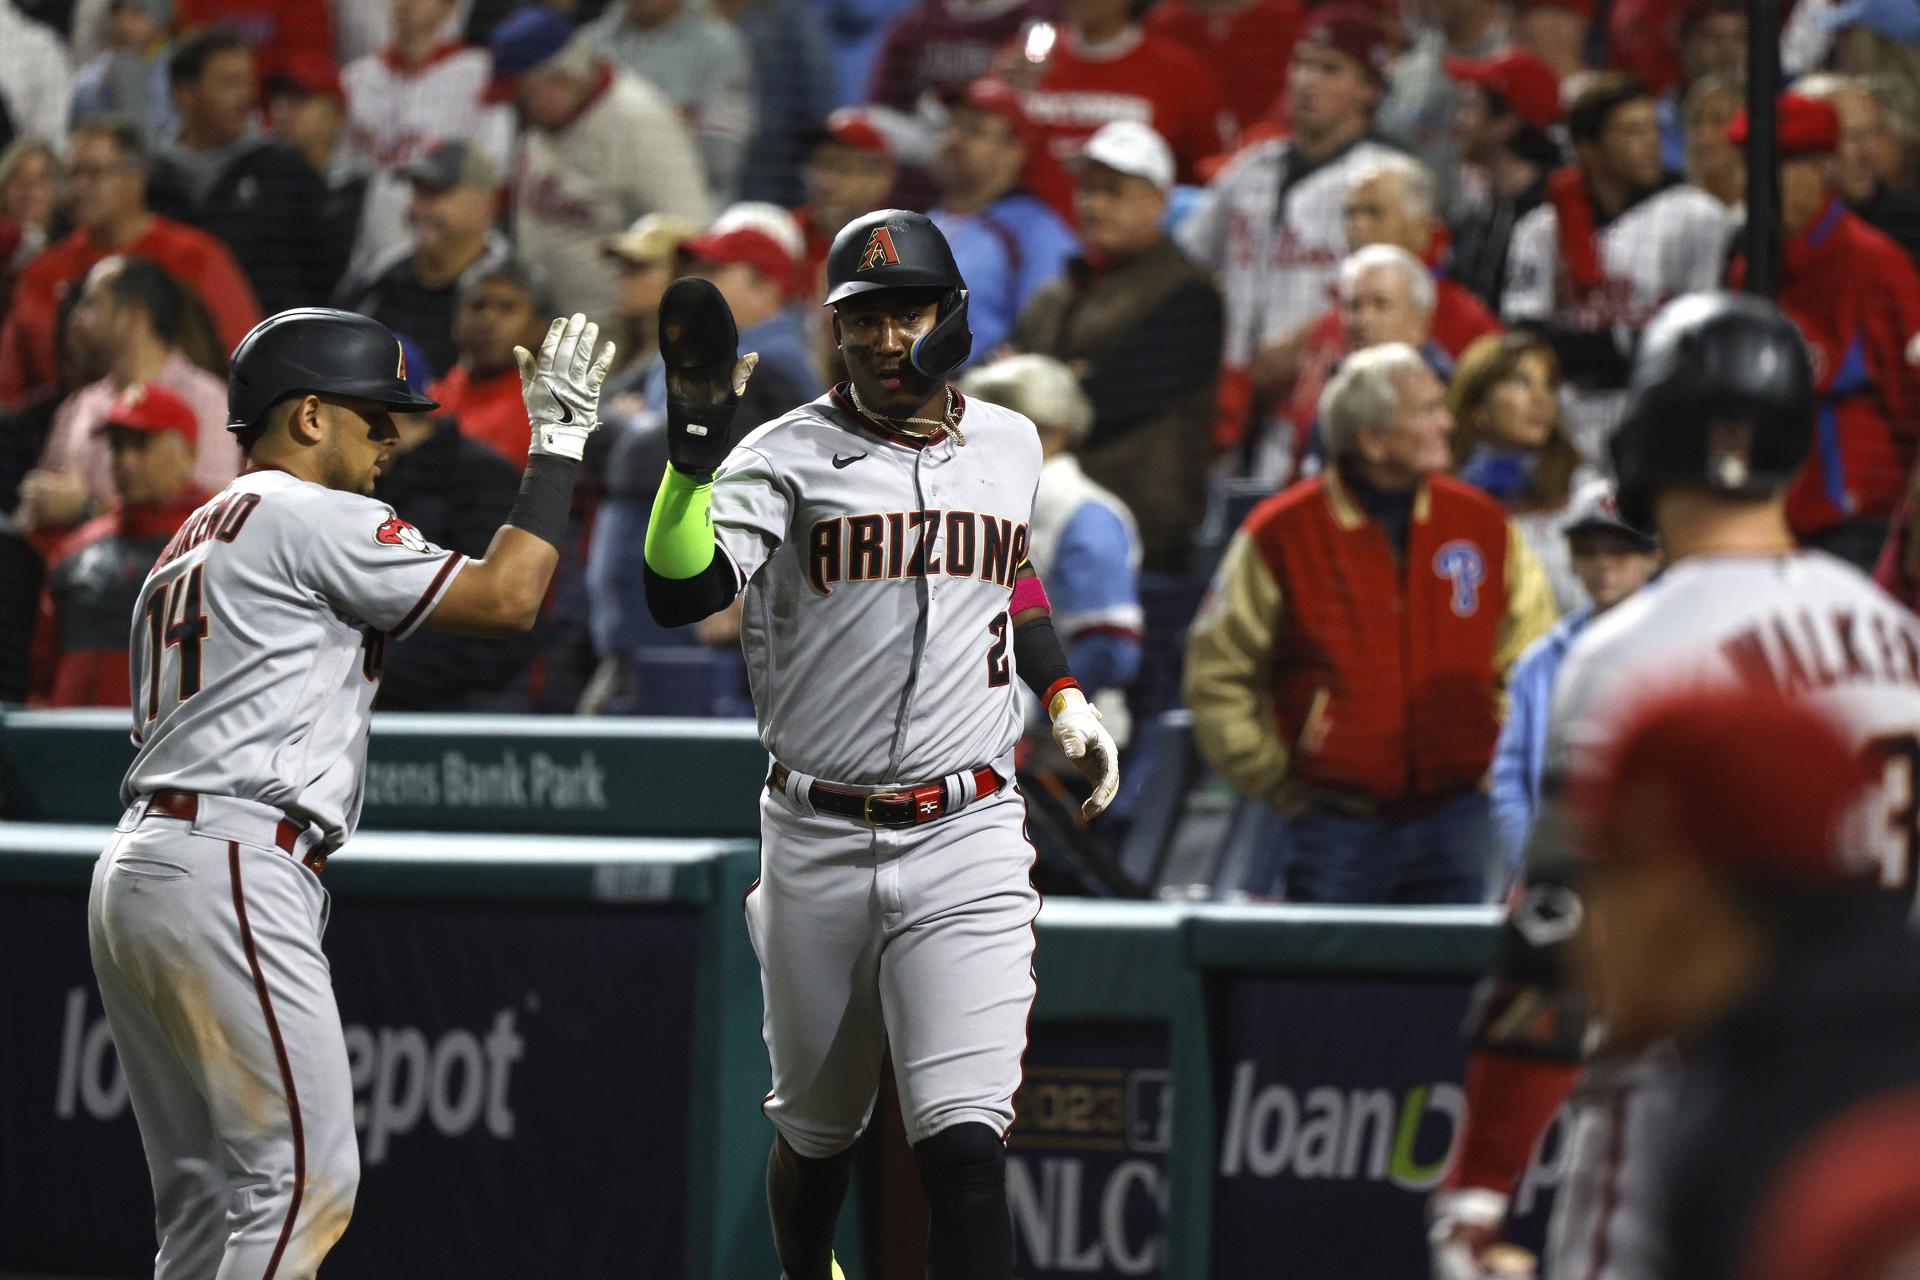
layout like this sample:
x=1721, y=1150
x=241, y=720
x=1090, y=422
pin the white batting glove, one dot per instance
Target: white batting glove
x=1077, y=728
x=562, y=388
x=1463, y=1237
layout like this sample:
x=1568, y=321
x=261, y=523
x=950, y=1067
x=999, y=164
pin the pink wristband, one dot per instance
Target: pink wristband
x=1028, y=594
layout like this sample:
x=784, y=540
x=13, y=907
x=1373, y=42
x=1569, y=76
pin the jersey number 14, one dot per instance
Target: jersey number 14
x=175, y=617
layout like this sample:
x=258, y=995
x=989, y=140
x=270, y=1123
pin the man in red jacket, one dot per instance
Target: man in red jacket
x=1856, y=297
x=1350, y=661
x=94, y=577
x=107, y=190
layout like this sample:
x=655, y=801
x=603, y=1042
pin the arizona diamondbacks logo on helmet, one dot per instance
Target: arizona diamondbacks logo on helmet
x=879, y=251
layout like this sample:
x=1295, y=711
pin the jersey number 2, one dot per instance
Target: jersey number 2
x=175, y=616
x=997, y=673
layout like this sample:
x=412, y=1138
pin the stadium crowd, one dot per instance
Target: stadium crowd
x=1327, y=305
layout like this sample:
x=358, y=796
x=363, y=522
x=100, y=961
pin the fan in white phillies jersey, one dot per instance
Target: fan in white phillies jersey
x=1720, y=418
x=880, y=536
x=1614, y=241
x=403, y=101
x=1272, y=225
x=256, y=655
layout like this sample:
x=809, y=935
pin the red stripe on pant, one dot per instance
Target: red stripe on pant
x=1610, y=1187
x=280, y=1057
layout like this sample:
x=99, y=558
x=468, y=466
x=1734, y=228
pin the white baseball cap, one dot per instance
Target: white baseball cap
x=1127, y=146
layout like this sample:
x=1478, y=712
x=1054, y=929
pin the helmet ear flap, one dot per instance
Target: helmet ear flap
x=943, y=348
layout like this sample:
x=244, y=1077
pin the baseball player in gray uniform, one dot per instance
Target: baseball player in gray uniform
x=880, y=535
x=256, y=654
x=1720, y=418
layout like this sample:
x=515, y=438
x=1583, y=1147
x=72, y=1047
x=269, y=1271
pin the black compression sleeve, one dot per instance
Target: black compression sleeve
x=546, y=498
x=1042, y=662
x=674, y=602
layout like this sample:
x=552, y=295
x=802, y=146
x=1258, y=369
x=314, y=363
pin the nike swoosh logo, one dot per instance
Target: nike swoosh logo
x=841, y=464
x=566, y=414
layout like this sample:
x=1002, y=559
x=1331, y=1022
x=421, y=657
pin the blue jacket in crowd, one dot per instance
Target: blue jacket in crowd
x=1520, y=758
x=1005, y=252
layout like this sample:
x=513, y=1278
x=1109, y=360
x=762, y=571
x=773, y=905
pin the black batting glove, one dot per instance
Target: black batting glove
x=705, y=375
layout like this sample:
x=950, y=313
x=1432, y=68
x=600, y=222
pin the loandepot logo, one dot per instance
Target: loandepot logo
x=456, y=1083
x=1369, y=1135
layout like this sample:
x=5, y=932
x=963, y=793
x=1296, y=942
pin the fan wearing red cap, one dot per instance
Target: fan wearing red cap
x=258, y=195
x=849, y=171
x=1501, y=127
x=755, y=273
x=1855, y=295
x=94, y=575
x=1271, y=226
x=1006, y=240
x=306, y=109
x=1735, y=905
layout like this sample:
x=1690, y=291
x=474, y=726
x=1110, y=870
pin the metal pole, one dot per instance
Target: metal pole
x=1763, y=150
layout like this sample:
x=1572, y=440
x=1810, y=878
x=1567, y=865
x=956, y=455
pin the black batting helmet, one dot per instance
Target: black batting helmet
x=896, y=249
x=1720, y=398
x=316, y=351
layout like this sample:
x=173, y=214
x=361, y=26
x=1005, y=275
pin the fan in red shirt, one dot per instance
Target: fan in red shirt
x=94, y=575
x=1856, y=297
x=498, y=309
x=107, y=191
x=1248, y=43
x=279, y=30
x=942, y=46
x=1102, y=66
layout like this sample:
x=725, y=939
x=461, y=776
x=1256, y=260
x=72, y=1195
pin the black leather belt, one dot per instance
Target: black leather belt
x=901, y=807
x=185, y=805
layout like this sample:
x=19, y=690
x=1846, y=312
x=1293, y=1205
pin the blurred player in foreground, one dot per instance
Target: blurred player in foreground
x=1727, y=909
x=1719, y=419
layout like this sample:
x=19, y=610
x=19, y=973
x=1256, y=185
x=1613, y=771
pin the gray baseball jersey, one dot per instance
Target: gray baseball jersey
x=877, y=570
x=258, y=643
x=1806, y=625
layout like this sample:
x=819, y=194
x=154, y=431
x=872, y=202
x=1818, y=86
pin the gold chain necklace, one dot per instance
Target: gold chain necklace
x=946, y=420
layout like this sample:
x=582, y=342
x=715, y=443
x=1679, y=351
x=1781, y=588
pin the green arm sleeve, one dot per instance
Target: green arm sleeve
x=680, y=533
